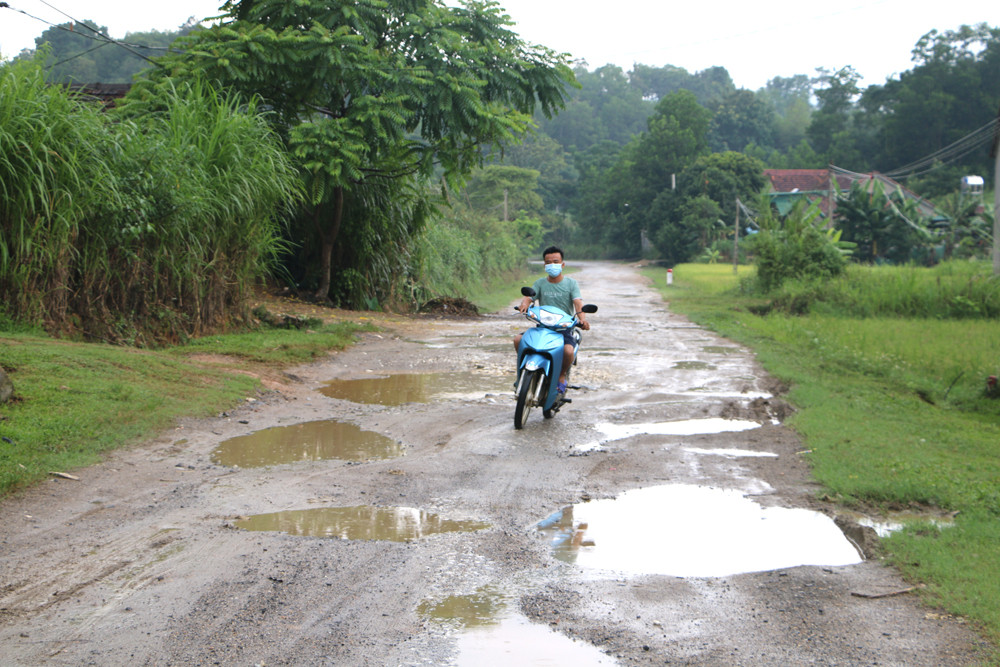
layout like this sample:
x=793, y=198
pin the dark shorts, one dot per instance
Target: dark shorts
x=569, y=338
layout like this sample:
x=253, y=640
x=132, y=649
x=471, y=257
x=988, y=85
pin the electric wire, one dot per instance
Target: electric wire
x=97, y=36
x=967, y=144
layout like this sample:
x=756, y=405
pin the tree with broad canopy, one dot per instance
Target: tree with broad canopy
x=370, y=92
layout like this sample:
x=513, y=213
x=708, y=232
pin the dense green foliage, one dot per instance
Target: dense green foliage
x=372, y=98
x=134, y=226
x=893, y=409
x=795, y=247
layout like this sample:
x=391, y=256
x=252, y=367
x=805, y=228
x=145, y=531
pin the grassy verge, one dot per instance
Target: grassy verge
x=894, y=413
x=75, y=400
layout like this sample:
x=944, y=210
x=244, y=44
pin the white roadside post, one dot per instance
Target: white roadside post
x=670, y=276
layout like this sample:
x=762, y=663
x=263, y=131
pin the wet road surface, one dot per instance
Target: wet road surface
x=382, y=510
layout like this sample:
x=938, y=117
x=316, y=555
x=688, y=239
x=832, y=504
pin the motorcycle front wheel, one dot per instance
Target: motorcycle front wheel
x=526, y=391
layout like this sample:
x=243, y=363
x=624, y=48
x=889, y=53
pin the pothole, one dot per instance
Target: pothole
x=693, y=531
x=363, y=522
x=309, y=441
x=515, y=642
x=481, y=608
x=418, y=388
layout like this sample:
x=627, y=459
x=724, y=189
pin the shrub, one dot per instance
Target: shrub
x=795, y=247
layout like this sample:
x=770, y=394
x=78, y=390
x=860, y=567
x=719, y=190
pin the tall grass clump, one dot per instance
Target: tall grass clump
x=146, y=223
x=202, y=179
x=52, y=177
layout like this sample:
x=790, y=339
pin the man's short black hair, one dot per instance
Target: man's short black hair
x=551, y=249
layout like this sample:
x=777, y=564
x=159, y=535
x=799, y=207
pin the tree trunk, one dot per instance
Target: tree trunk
x=328, y=236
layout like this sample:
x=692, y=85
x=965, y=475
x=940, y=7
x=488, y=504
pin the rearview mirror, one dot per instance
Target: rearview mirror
x=589, y=308
x=527, y=291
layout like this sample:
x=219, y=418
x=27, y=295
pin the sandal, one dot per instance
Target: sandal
x=561, y=388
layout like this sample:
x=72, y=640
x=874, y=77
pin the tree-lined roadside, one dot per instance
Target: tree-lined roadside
x=895, y=411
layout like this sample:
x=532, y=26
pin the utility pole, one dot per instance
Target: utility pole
x=505, y=204
x=736, y=238
x=996, y=197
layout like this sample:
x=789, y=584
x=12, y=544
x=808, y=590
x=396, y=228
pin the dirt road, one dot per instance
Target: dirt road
x=464, y=541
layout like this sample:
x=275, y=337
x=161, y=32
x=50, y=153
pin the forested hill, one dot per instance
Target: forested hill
x=610, y=160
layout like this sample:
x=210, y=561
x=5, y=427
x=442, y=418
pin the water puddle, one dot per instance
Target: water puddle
x=708, y=392
x=731, y=453
x=719, y=349
x=477, y=609
x=364, y=522
x=694, y=366
x=896, y=521
x=418, y=388
x=685, y=427
x=693, y=531
x=310, y=441
x=517, y=642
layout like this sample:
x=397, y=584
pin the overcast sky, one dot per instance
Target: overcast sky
x=754, y=41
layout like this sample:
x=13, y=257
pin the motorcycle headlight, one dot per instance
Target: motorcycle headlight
x=549, y=319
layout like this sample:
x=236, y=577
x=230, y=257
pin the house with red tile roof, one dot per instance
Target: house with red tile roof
x=790, y=185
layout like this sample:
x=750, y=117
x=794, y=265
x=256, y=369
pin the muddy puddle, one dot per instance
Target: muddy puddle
x=684, y=427
x=481, y=608
x=310, y=441
x=692, y=531
x=418, y=388
x=514, y=641
x=694, y=366
x=363, y=522
x=491, y=632
x=730, y=453
x=886, y=525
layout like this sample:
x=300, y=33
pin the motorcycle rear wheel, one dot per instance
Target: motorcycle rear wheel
x=526, y=391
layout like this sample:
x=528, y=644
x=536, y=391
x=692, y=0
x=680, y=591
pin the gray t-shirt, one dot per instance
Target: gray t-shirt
x=560, y=294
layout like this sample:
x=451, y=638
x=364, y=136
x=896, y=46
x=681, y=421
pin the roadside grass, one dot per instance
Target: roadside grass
x=891, y=408
x=75, y=400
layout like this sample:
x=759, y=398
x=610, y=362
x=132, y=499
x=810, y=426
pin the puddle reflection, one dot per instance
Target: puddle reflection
x=693, y=531
x=686, y=427
x=364, y=522
x=517, y=642
x=417, y=387
x=311, y=441
x=694, y=366
x=478, y=609
x=731, y=453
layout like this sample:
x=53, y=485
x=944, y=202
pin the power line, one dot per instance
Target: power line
x=100, y=37
x=967, y=144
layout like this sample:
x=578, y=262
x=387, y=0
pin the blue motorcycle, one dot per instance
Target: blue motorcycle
x=540, y=358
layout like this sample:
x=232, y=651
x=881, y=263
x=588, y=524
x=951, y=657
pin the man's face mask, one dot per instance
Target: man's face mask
x=553, y=269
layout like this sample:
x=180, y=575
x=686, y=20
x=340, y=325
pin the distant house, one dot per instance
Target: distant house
x=790, y=185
